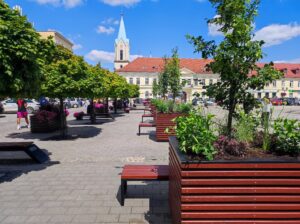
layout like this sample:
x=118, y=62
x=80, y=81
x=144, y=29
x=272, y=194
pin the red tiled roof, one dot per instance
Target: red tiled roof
x=195, y=65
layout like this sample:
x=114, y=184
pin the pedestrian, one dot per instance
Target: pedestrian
x=22, y=113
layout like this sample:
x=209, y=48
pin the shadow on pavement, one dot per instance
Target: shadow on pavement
x=157, y=193
x=73, y=133
x=99, y=121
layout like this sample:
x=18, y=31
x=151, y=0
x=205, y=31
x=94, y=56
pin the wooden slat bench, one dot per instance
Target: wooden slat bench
x=145, y=125
x=142, y=173
x=146, y=116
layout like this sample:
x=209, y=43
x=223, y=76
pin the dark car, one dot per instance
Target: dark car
x=277, y=102
x=291, y=101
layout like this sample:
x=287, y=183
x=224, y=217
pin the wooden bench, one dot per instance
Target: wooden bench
x=106, y=115
x=145, y=125
x=142, y=173
x=29, y=148
x=146, y=116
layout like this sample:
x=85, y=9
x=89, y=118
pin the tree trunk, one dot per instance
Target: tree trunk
x=92, y=115
x=232, y=104
x=115, y=107
x=106, y=106
x=63, y=121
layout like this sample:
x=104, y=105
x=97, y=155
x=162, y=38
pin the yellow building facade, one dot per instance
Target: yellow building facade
x=57, y=38
x=143, y=72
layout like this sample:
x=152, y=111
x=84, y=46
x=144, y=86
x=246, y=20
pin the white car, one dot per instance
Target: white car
x=10, y=106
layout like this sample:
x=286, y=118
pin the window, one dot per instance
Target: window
x=298, y=83
x=203, y=82
x=273, y=95
x=131, y=80
x=147, y=81
x=210, y=82
x=138, y=81
x=121, y=66
x=259, y=95
x=267, y=84
x=121, y=55
x=267, y=94
x=274, y=83
x=147, y=94
x=291, y=83
x=283, y=83
x=189, y=82
x=155, y=80
x=196, y=82
x=291, y=95
x=183, y=82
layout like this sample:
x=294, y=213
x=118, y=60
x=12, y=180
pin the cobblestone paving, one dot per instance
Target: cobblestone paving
x=81, y=183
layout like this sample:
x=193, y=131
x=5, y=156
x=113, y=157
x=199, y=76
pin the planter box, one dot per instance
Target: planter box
x=164, y=121
x=233, y=191
x=153, y=111
x=37, y=126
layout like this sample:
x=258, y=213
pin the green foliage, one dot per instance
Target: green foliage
x=173, y=70
x=163, y=80
x=196, y=135
x=246, y=126
x=168, y=106
x=65, y=76
x=155, y=88
x=236, y=56
x=288, y=136
x=22, y=54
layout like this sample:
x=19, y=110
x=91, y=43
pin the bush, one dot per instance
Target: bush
x=288, y=136
x=195, y=135
x=168, y=106
x=246, y=126
x=231, y=146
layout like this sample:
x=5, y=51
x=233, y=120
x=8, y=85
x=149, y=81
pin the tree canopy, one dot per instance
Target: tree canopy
x=22, y=54
x=235, y=58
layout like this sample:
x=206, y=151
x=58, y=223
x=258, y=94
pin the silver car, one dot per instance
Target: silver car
x=10, y=106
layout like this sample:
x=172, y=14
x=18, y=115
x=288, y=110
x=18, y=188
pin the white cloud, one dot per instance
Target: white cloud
x=77, y=47
x=126, y=3
x=106, y=56
x=101, y=56
x=213, y=29
x=276, y=34
x=65, y=3
x=106, y=30
x=110, y=21
x=293, y=61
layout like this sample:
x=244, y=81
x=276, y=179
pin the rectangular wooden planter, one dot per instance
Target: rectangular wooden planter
x=153, y=111
x=164, y=121
x=253, y=192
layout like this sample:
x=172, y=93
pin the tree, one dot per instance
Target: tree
x=155, y=88
x=173, y=70
x=93, y=86
x=163, y=80
x=65, y=77
x=22, y=54
x=236, y=57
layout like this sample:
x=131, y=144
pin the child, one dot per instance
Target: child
x=22, y=113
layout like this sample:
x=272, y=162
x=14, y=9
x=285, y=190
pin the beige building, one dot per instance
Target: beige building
x=58, y=39
x=143, y=71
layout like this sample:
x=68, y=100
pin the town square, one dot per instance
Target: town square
x=149, y=111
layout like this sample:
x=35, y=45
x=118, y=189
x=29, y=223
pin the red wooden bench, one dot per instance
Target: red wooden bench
x=146, y=116
x=145, y=125
x=142, y=173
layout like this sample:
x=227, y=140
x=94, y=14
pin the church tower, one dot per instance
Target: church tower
x=122, y=47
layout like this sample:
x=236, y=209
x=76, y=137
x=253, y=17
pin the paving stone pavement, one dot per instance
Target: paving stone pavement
x=81, y=183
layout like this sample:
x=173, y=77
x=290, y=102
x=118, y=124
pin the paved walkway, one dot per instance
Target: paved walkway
x=81, y=183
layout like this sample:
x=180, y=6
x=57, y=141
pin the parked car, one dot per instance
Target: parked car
x=197, y=101
x=209, y=102
x=10, y=106
x=71, y=103
x=290, y=101
x=277, y=101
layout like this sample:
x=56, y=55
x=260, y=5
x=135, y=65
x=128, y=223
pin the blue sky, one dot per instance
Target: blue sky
x=154, y=27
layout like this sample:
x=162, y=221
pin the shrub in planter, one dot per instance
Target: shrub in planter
x=79, y=115
x=167, y=111
x=44, y=121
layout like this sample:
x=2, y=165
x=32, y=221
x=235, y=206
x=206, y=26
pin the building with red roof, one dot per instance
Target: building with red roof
x=143, y=71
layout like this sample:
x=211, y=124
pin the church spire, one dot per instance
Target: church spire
x=122, y=31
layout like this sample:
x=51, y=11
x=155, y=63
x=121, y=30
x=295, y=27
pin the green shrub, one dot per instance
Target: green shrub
x=245, y=127
x=184, y=108
x=169, y=106
x=288, y=136
x=195, y=135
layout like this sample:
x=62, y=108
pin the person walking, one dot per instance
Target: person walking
x=22, y=113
